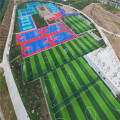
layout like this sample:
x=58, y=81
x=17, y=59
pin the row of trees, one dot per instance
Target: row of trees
x=2, y=2
x=3, y=7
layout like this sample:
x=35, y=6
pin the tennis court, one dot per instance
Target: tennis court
x=52, y=7
x=33, y=4
x=44, y=38
x=25, y=12
x=26, y=23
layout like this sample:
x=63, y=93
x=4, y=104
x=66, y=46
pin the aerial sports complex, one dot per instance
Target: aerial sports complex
x=55, y=55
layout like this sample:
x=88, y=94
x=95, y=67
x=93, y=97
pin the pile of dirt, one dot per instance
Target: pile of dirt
x=4, y=27
x=103, y=18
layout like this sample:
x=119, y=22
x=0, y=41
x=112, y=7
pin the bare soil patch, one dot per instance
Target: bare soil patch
x=68, y=10
x=5, y=101
x=1, y=70
x=4, y=27
x=103, y=18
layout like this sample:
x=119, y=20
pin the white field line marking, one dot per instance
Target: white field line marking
x=77, y=97
x=106, y=100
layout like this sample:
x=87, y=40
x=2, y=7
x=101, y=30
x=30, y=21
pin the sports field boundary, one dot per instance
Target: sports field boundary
x=45, y=99
x=78, y=96
x=75, y=93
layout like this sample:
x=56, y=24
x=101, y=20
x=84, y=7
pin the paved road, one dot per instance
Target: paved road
x=19, y=108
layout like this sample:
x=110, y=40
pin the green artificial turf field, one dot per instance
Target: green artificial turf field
x=93, y=101
x=77, y=24
x=43, y=62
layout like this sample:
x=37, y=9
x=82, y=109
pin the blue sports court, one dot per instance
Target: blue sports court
x=25, y=12
x=52, y=7
x=33, y=4
x=26, y=23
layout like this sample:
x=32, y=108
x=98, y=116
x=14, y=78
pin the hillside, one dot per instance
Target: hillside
x=115, y=42
x=103, y=18
x=4, y=27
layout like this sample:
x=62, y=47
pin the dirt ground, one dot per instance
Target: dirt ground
x=103, y=18
x=115, y=42
x=1, y=70
x=5, y=101
x=116, y=13
x=4, y=27
x=46, y=13
x=111, y=22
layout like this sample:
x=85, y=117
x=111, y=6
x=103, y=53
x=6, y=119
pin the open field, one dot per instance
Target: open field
x=77, y=24
x=4, y=26
x=3, y=8
x=39, y=21
x=78, y=4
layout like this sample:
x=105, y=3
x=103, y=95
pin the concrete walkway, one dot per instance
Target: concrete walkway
x=19, y=108
x=109, y=32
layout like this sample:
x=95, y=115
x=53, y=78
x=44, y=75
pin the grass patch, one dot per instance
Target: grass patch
x=39, y=21
x=67, y=2
x=31, y=94
x=110, y=7
x=16, y=28
x=58, y=20
x=22, y=6
x=51, y=22
x=82, y=4
x=42, y=8
x=5, y=100
x=117, y=23
x=15, y=49
x=97, y=33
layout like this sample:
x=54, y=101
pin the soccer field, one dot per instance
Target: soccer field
x=43, y=62
x=77, y=24
x=93, y=101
